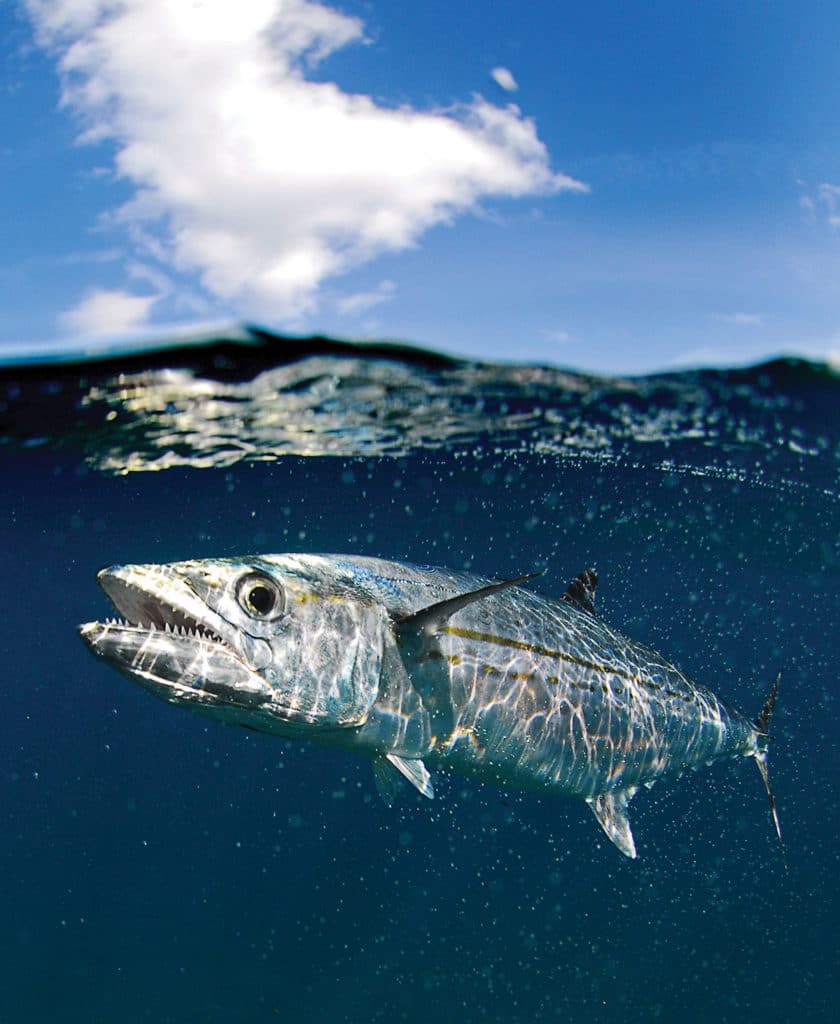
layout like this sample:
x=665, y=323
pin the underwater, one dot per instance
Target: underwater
x=160, y=866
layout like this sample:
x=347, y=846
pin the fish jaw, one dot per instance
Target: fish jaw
x=173, y=644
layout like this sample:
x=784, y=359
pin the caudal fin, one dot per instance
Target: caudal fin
x=762, y=723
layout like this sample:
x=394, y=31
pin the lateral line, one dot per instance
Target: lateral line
x=488, y=638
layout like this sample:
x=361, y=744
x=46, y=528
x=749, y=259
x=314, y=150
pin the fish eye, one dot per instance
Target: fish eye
x=260, y=596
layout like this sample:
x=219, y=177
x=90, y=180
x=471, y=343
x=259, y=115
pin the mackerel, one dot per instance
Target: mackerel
x=419, y=668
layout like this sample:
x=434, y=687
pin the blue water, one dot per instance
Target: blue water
x=157, y=866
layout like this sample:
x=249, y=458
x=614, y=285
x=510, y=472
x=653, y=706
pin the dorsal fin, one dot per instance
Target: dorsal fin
x=429, y=619
x=581, y=591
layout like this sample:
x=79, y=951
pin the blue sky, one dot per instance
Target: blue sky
x=610, y=186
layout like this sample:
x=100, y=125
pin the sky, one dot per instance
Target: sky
x=618, y=187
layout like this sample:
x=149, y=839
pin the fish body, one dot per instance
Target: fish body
x=422, y=667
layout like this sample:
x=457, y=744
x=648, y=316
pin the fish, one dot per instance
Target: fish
x=420, y=668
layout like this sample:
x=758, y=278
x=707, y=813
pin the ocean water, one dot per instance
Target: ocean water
x=158, y=866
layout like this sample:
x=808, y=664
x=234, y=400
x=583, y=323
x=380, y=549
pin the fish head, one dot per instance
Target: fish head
x=266, y=642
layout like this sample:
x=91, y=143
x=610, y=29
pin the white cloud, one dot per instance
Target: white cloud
x=361, y=302
x=103, y=312
x=263, y=182
x=150, y=275
x=505, y=79
x=824, y=201
x=556, y=336
x=742, y=319
x=830, y=197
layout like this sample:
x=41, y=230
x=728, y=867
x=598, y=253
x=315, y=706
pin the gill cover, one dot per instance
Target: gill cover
x=317, y=646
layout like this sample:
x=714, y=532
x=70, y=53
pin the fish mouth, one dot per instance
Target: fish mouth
x=172, y=643
x=138, y=595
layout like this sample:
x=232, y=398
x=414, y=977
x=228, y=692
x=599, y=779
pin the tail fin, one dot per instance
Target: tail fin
x=762, y=723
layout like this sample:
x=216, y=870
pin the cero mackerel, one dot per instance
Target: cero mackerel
x=418, y=667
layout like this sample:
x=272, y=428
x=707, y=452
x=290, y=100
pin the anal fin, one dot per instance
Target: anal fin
x=611, y=811
x=411, y=768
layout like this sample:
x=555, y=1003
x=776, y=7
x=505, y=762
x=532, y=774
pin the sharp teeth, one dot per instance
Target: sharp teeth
x=170, y=621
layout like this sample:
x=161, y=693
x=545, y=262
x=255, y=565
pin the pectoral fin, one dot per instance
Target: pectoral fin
x=611, y=811
x=411, y=768
x=429, y=620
